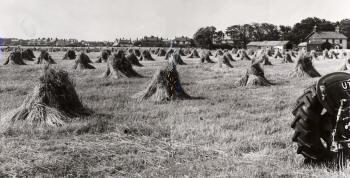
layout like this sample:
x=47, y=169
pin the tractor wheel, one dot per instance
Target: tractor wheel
x=312, y=129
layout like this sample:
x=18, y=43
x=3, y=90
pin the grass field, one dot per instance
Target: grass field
x=234, y=132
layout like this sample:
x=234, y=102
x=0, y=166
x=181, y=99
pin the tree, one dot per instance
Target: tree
x=264, y=31
x=137, y=43
x=204, y=37
x=302, y=29
x=270, y=31
x=285, y=32
x=258, y=34
x=241, y=33
x=219, y=35
x=344, y=26
x=253, y=32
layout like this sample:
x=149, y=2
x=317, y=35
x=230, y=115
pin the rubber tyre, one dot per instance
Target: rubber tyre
x=310, y=127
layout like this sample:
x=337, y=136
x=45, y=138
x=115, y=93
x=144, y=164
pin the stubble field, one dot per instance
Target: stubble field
x=229, y=131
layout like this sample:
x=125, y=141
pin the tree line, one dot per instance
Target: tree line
x=245, y=33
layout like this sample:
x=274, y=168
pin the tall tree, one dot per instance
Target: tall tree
x=270, y=31
x=204, y=37
x=219, y=35
x=241, y=33
x=253, y=32
x=258, y=33
x=285, y=32
x=344, y=26
x=302, y=29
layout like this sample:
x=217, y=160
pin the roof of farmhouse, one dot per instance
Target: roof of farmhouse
x=328, y=35
x=182, y=38
x=267, y=43
x=152, y=38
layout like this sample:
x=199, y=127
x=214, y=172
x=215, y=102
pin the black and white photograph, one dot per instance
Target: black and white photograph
x=175, y=88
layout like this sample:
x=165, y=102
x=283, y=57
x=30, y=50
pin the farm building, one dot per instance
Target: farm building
x=182, y=42
x=282, y=45
x=319, y=40
x=302, y=45
x=97, y=43
x=64, y=42
x=153, y=41
x=123, y=43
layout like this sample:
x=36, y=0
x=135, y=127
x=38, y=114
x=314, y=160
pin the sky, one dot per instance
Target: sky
x=111, y=19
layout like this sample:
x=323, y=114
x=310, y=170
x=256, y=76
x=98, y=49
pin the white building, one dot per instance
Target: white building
x=317, y=38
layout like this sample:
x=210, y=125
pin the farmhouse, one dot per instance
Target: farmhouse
x=181, y=42
x=320, y=40
x=123, y=43
x=153, y=41
x=282, y=45
x=66, y=42
x=96, y=43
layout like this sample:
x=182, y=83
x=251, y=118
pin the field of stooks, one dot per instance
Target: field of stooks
x=156, y=112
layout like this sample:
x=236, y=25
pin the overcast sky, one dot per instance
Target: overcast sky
x=110, y=19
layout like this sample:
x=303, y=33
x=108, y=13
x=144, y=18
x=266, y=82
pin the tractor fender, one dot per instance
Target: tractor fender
x=332, y=88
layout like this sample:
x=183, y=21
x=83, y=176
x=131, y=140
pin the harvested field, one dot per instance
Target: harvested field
x=229, y=131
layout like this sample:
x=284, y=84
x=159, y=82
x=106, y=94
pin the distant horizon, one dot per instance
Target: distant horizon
x=90, y=40
x=107, y=20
